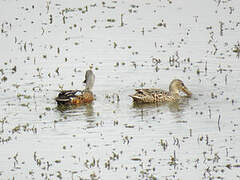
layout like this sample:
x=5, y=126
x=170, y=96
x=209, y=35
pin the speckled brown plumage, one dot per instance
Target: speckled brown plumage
x=159, y=95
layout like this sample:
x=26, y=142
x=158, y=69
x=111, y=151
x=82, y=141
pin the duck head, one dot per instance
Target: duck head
x=89, y=80
x=176, y=86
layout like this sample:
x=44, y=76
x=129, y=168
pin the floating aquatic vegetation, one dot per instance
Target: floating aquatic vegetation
x=236, y=49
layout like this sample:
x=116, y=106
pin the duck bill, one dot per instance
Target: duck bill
x=186, y=91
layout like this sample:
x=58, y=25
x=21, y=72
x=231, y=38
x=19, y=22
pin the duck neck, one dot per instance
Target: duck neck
x=174, y=93
x=89, y=87
x=173, y=90
x=89, y=80
x=87, y=90
x=89, y=84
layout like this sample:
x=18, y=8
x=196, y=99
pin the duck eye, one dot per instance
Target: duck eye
x=182, y=84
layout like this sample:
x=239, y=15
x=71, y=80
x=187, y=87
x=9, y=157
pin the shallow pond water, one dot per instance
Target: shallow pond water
x=47, y=46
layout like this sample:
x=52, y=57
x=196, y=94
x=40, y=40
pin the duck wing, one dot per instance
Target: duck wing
x=149, y=95
x=65, y=96
x=151, y=91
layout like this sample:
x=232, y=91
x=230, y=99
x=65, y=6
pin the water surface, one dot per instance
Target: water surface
x=47, y=46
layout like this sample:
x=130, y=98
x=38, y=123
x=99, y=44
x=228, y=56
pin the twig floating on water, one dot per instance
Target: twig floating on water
x=219, y=117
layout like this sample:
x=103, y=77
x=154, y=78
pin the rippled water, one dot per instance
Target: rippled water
x=47, y=46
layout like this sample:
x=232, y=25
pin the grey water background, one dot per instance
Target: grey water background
x=47, y=46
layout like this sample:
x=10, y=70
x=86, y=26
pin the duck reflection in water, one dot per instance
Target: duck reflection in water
x=87, y=110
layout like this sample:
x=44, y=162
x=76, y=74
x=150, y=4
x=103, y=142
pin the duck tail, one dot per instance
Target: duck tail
x=135, y=98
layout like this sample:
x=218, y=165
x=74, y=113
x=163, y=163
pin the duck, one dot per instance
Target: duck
x=78, y=97
x=161, y=96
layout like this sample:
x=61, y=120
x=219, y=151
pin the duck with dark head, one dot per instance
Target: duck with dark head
x=78, y=97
